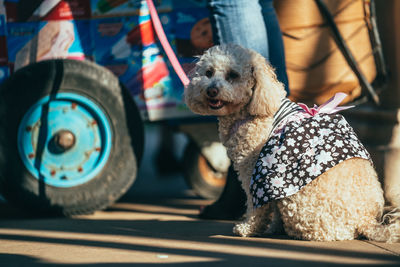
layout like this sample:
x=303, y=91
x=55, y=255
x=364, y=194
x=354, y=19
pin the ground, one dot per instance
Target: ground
x=156, y=223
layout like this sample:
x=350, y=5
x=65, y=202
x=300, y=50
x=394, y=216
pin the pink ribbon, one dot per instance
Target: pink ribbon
x=329, y=107
x=165, y=44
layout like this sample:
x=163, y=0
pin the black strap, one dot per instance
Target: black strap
x=341, y=43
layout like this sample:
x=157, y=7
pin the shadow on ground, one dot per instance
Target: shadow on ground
x=158, y=218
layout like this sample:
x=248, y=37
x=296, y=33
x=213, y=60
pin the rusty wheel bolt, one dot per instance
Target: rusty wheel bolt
x=64, y=139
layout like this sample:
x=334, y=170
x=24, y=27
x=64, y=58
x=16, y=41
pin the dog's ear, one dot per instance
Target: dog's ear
x=267, y=91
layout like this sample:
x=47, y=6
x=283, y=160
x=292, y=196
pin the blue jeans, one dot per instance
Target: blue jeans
x=252, y=24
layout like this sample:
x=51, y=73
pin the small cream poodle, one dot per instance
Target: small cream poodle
x=305, y=173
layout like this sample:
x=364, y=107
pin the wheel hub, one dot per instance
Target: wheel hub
x=64, y=140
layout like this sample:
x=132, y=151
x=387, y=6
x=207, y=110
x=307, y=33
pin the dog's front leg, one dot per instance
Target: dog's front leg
x=263, y=220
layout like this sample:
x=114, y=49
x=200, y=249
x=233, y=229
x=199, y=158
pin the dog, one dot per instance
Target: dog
x=332, y=190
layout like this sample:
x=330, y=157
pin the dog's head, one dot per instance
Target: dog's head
x=228, y=79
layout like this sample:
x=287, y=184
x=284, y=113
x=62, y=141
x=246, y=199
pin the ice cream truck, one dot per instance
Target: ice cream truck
x=79, y=79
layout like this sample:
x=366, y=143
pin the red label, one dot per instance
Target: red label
x=69, y=9
x=64, y=10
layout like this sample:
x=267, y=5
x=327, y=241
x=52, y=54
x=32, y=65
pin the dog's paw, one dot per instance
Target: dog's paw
x=243, y=229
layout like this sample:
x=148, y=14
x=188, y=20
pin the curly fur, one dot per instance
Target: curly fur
x=344, y=203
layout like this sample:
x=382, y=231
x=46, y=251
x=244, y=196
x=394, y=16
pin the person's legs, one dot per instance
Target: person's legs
x=231, y=205
x=252, y=24
x=240, y=22
x=275, y=42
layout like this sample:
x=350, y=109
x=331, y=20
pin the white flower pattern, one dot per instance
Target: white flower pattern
x=314, y=169
x=277, y=182
x=324, y=157
x=291, y=189
x=316, y=144
x=338, y=143
x=269, y=160
x=291, y=142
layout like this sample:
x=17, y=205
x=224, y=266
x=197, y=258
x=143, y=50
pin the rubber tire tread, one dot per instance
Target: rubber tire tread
x=30, y=84
x=193, y=176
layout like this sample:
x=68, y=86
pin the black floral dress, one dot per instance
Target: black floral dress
x=300, y=148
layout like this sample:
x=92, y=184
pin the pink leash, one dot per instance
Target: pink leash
x=165, y=44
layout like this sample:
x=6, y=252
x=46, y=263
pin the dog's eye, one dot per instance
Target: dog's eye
x=209, y=73
x=232, y=75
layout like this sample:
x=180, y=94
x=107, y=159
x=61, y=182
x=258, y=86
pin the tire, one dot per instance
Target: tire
x=199, y=174
x=66, y=100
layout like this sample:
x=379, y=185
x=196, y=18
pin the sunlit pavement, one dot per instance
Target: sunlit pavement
x=156, y=223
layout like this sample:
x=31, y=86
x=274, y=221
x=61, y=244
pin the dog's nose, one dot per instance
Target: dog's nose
x=212, y=91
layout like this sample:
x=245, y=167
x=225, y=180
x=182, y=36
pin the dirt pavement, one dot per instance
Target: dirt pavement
x=143, y=232
x=156, y=223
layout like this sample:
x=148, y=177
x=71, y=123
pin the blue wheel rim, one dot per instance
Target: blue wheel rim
x=77, y=115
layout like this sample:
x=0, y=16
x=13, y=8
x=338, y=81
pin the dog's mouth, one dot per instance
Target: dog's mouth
x=215, y=103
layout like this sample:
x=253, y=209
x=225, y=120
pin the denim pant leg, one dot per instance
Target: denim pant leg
x=244, y=22
x=275, y=42
x=240, y=22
